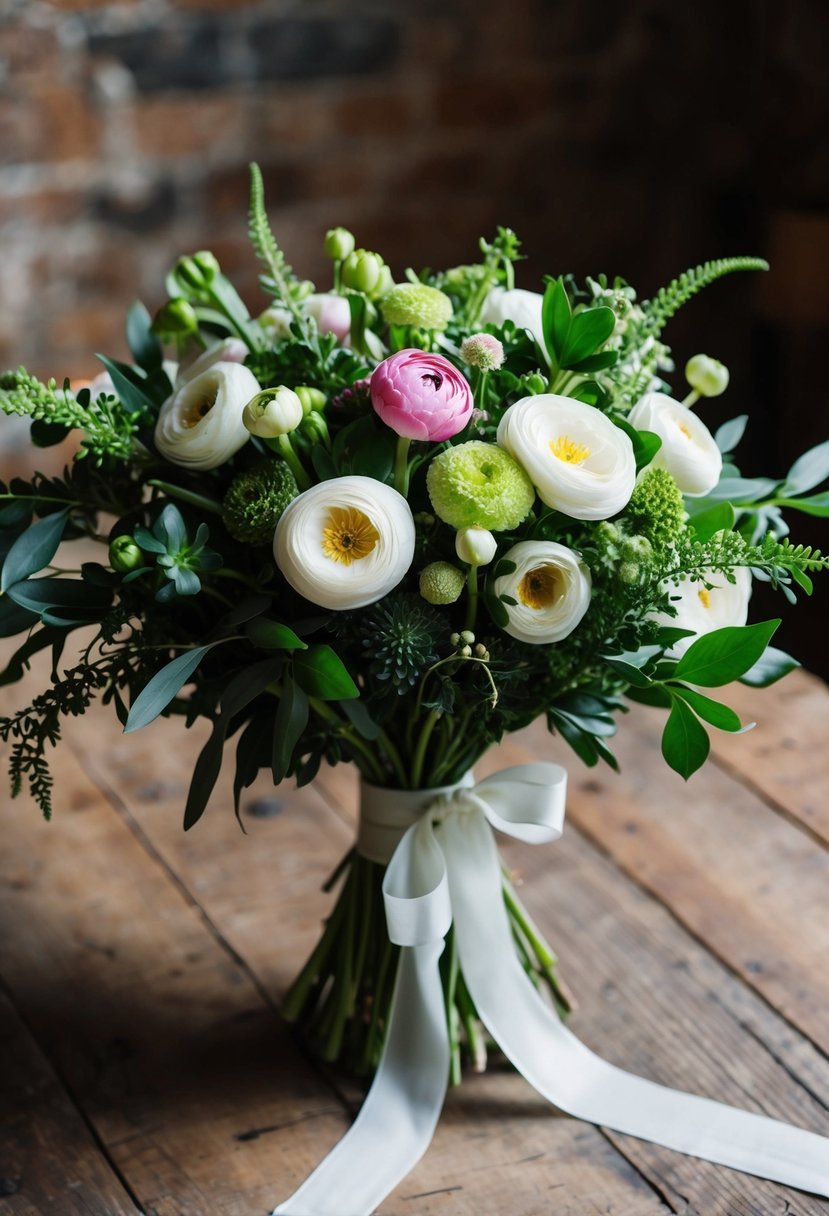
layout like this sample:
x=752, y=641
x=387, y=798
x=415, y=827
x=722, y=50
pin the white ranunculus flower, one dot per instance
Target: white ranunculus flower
x=704, y=608
x=578, y=461
x=200, y=426
x=521, y=307
x=273, y=412
x=230, y=350
x=688, y=451
x=346, y=542
x=551, y=585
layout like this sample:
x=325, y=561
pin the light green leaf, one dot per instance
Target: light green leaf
x=730, y=433
x=808, y=471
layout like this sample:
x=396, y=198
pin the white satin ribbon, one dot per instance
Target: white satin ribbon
x=446, y=869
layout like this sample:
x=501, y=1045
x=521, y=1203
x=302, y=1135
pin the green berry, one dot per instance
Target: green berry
x=441, y=583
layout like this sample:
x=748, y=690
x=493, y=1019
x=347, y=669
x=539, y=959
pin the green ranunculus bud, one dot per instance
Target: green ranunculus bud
x=362, y=270
x=273, y=412
x=339, y=243
x=176, y=319
x=707, y=376
x=441, y=583
x=417, y=304
x=535, y=384
x=384, y=284
x=208, y=264
x=313, y=427
x=197, y=272
x=311, y=399
x=124, y=554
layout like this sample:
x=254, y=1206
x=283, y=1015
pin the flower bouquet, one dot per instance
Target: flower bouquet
x=387, y=524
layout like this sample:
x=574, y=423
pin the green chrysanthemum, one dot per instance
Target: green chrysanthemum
x=479, y=484
x=656, y=509
x=256, y=499
x=441, y=583
x=417, y=304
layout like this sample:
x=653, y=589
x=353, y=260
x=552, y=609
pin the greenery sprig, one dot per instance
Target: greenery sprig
x=668, y=300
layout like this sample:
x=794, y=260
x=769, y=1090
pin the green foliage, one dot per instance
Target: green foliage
x=400, y=638
x=256, y=499
x=668, y=300
x=656, y=509
x=180, y=559
x=280, y=282
x=107, y=427
x=574, y=340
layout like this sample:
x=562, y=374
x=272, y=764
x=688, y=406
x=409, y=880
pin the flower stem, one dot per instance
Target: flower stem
x=286, y=450
x=401, y=465
x=691, y=400
x=472, y=593
x=422, y=743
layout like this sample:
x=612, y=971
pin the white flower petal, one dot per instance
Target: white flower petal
x=521, y=307
x=552, y=587
x=689, y=451
x=704, y=609
x=299, y=543
x=597, y=482
x=201, y=425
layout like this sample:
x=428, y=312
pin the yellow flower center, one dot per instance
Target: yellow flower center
x=540, y=587
x=348, y=535
x=569, y=450
x=685, y=430
x=705, y=597
x=198, y=409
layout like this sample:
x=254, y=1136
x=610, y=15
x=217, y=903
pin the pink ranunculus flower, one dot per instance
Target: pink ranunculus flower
x=331, y=313
x=421, y=396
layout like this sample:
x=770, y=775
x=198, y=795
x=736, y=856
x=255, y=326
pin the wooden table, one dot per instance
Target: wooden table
x=144, y=1064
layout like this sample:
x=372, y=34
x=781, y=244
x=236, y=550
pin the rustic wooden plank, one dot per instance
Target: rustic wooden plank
x=785, y=758
x=50, y=1164
x=747, y=881
x=653, y=1001
x=247, y=886
x=181, y=1066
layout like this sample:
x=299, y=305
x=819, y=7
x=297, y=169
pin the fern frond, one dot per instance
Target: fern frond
x=280, y=281
x=668, y=300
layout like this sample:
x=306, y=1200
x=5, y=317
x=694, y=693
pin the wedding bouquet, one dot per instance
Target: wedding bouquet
x=386, y=524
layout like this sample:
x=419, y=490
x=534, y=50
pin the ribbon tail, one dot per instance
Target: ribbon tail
x=398, y=1118
x=571, y=1076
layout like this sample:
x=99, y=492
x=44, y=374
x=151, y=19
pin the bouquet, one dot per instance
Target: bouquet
x=387, y=524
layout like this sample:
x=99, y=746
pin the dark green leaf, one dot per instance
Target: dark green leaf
x=34, y=549
x=628, y=672
x=655, y=696
x=685, y=744
x=555, y=319
x=270, y=635
x=724, y=655
x=145, y=347
x=645, y=443
x=321, y=673
x=161, y=689
x=323, y=463
x=589, y=330
x=719, y=518
x=128, y=386
x=730, y=433
x=772, y=665
x=713, y=712
x=39, y=594
x=596, y=363
x=249, y=753
x=360, y=719
x=46, y=434
x=808, y=471
x=583, y=745
x=249, y=608
x=13, y=618
x=289, y=723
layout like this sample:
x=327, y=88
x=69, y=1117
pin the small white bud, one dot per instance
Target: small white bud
x=707, y=376
x=274, y=412
x=475, y=546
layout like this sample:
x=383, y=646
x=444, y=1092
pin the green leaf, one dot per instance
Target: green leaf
x=289, y=723
x=588, y=331
x=730, y=433
x=13, y=618
x=719, y=518
x=772, y=665
x=270, y=635
x=817, y=504
x=321, y=673
x=556, y=317
x=733, y=489
x=802, y=579
x=628, y=672
x=127, y=386
x=33, y=550
x=145, y=347
x=724, y=655
x=46, y=434
x=249, y=751
x=645, y=443
x=713, y=712
x=685, y=744
x=360, y=719
x=163, y=687
x=596, y=363
x=655, y=696
x=808, y=471
x=41, y=594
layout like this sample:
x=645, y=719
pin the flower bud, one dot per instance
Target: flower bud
x=313, y=427
x=535, y=384
x=465, y=652
x=455, y=638
x=124, y=554
x=274, y=412
x=311, y=398
x=475, y=546
x=467, y=636
x=361, y=270
x=707, y=376
x=483, y=351
x=196, y=273
x=442, y=583
x=175, y=320
x=339, y=243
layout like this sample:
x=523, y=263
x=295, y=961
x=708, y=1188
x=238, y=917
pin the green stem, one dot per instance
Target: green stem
x=420, y=751
x=188, y=496
x=692, y=398
x=283, y=445
x=394, y=757
x=472, y=597
x=297, y=995
x=475, y=1041
x=401, y=465
x=452, y=1017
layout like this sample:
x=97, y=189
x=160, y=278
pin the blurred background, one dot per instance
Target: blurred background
x=638, y=138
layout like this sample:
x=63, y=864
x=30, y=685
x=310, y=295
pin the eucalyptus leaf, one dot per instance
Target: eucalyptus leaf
x=128, y=386
x=360, y=719
x=163, y=687
x=41, y=594
x=730, y=433
x=808, y=471
x=145, y=347
x=33, y=549
x=817, y=504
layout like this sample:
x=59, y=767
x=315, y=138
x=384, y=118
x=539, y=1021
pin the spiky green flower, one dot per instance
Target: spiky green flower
x=399, y=637
x=417, y=304
x=656, y=509
x=479, y=484
x=256, y=499
x=441, y=583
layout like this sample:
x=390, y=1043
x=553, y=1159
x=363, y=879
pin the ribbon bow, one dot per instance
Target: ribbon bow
x=445, y=869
